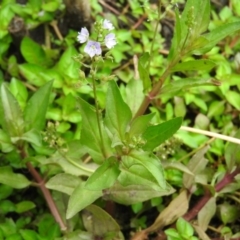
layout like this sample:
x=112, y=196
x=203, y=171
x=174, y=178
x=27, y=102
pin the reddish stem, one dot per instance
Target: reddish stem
x=228, y=178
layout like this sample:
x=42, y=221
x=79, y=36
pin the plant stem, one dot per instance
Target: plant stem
x=228, y=178
x=46, y=193
x=97, y=115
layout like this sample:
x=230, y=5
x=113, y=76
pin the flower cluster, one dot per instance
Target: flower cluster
x=93, y=48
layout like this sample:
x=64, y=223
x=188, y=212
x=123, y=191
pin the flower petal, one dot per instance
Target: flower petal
x=93, y=48
x=83, y=35
x=110, y=40
x=107, y=25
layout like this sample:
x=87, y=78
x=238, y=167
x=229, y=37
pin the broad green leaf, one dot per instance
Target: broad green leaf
x=186, y=83
x=176, y=165
x=10, y=113
x=228, y=213
x=184, y=228
x=134, y=95
x=28, y=234
x=81, y=198
x=134, y=193
x=233, y=98
x=118, y=114
x=98, y=221
x=32, y=73
x=67, y=66
x=63, y=182
x=155, y=135
x=90, y=136
x=105, y=176
x=37, y=56
x=232, y=153
x=24, y=206
x=140, y=124
x=196, y=65
x=14, y=180
x=217, y=35
x=35, y=111
x=144, y=71
x=143, y=169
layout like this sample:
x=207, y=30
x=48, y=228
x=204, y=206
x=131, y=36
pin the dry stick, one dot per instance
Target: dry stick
x=46, y=193
x=212, y=134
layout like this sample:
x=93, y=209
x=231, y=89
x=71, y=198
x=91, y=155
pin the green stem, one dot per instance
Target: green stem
x=97, y=115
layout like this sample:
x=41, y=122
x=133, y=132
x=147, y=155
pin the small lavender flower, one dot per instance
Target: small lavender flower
x=93, y=48
x=83, y=35
x=107, y=25
x=110, y=40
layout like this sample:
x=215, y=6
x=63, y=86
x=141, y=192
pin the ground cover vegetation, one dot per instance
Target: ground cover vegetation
x=119, y=119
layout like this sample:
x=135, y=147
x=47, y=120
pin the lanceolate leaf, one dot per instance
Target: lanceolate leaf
x=90, y=136
x=104, y=176
x=155, y=135
x=185, y=83
x=196, y=65
x=217, y=35
x=10, y=113
x=144, y=71
x=36, y=108
x=118, y=114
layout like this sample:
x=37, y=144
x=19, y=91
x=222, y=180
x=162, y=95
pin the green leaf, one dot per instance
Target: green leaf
x=14, y=180
x=10, y=113
x=37, y=56
x=232, y=153
x=184, y=228
x=36, y=108
x=144, y=71
x=63, y=182
x=66, y=66
x=155, y=135
x=105, y=176
x=118, y=114
x=134, y=95
x=140, y=124
x=32, y=73
x=143, y=169
x=217, y=35
x=32, y=136
x=134, y=193
x=196, y=65
x=186, y=83
x=228, y=213
x=24, y=206
x=233, y=98
x=101, y=222
x=28, y=234
x=90, y=136
x=77, y=202
x=5, y=142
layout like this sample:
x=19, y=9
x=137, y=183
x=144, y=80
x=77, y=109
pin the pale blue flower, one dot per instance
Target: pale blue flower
x=93, y=48
x=83, y=35
x=110, y=40
x=107, y=25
